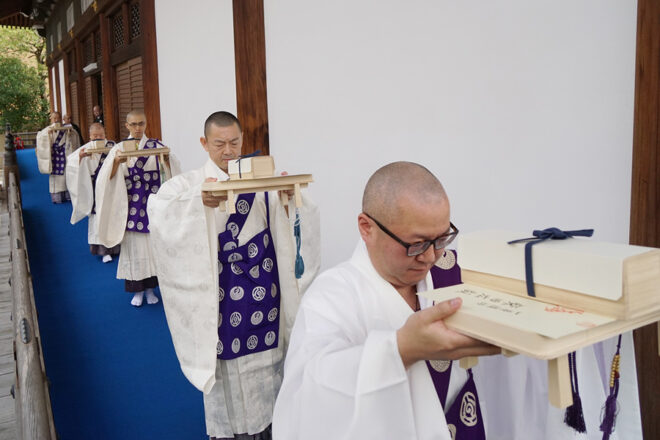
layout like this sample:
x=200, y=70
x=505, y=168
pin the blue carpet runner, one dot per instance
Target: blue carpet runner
x=112, y=367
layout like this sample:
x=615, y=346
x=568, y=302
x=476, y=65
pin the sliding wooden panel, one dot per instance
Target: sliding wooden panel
x=130, y=91
x=645, y=197
x=67, y=86
x=110, y=115
x=81, y=95
x=58, y=92
x=51, y=90
x=75, y=114
x=250, y=54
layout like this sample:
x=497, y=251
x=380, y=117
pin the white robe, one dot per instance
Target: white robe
x=239, y=393
x=45, y=139
x=344, y=377
x=79, y=182
x=136, y=260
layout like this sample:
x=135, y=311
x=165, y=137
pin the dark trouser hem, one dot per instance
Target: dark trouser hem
x=266, y=434
x=140, y=285
x=99, y=249
x=60, y=197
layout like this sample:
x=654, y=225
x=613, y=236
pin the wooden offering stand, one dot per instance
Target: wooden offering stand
x=586, y=292
x=60, y=127
x=256, y=175
x=99, y=148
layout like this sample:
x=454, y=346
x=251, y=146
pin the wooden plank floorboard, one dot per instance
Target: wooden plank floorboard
x=7, y=365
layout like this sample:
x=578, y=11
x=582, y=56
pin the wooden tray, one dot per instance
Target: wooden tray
x=231, y=188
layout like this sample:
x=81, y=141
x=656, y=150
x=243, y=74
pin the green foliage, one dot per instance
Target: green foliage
x=23, y=75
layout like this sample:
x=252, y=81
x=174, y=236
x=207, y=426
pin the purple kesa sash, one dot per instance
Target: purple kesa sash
x=58, y=155
x=464, y=415
x=140, y=184
x=96, y=173
x=249, y=287
x=448, y=273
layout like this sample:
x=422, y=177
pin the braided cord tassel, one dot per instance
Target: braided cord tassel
x=300, y=264
x=611, y=407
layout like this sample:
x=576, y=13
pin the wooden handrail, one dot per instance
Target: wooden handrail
x=34, y=416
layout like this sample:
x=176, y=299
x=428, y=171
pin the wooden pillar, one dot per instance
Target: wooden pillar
x=645, y=196
x=51, y=90
x=110, y=105
x=78, y=53
x=250, y=56
x=150, y=68
x=58, y=92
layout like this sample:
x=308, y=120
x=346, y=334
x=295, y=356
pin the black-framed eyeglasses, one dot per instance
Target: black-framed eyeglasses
x=414, y=249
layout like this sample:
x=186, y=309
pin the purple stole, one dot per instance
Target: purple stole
x=58, y=156
x=140, y=184
x=249, y=286
x=463, y=417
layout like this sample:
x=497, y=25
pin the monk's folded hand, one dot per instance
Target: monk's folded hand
x=209, y=199
x=82, y=154
x=425, y=336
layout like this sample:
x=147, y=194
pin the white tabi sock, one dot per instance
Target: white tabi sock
x=107, y=258
x=151, y=296
x=137, y=299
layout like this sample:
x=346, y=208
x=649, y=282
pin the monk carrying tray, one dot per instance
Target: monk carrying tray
x=586, y=292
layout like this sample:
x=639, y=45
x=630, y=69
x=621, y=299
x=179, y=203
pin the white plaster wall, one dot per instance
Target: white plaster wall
x=52, y=77
x=65, y=107
x=196, y=72
x=523, y=109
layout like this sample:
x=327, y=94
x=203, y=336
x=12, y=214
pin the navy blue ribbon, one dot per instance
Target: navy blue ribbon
x=244, y=156
x=543, y=235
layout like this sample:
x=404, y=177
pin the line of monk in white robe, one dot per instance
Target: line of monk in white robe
x=356, y=361
x=82, y=168
x=229, y=285
x=123, y=188
x=53, y=147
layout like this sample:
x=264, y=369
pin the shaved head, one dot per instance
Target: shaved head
x=221, y=119
x=135, y=113
x=400, y=182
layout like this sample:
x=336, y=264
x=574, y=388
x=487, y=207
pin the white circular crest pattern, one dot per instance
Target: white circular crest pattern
x=273, y=290
x=440, y=366
x=266, y=240
x=130, y=224
x=272, y=315
x=235, y=345
x=142, y=213
x=219, y=319
x=254, y=272
x=154, y=189
x=139, y=164
x=229, y=246
x=236, y=293
x=140, y=226
x=138, y=184
x=147, y=177
x=219, y=347
x=235, y=319
x=243, y=206
x=258, y=293
x=233, y=227
x=270, y=338
x=132, y=211
x=268, y=264
x=253, y=250
x=220, y=267
x=136, y=178
x=257, y=317
x=234, y=257
x=468, y=412
x=155, y=174
x=135, y=197
x=236, y=269
x=452, y=430
x=221, y=294
x=252, y=342
x=447, y=261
